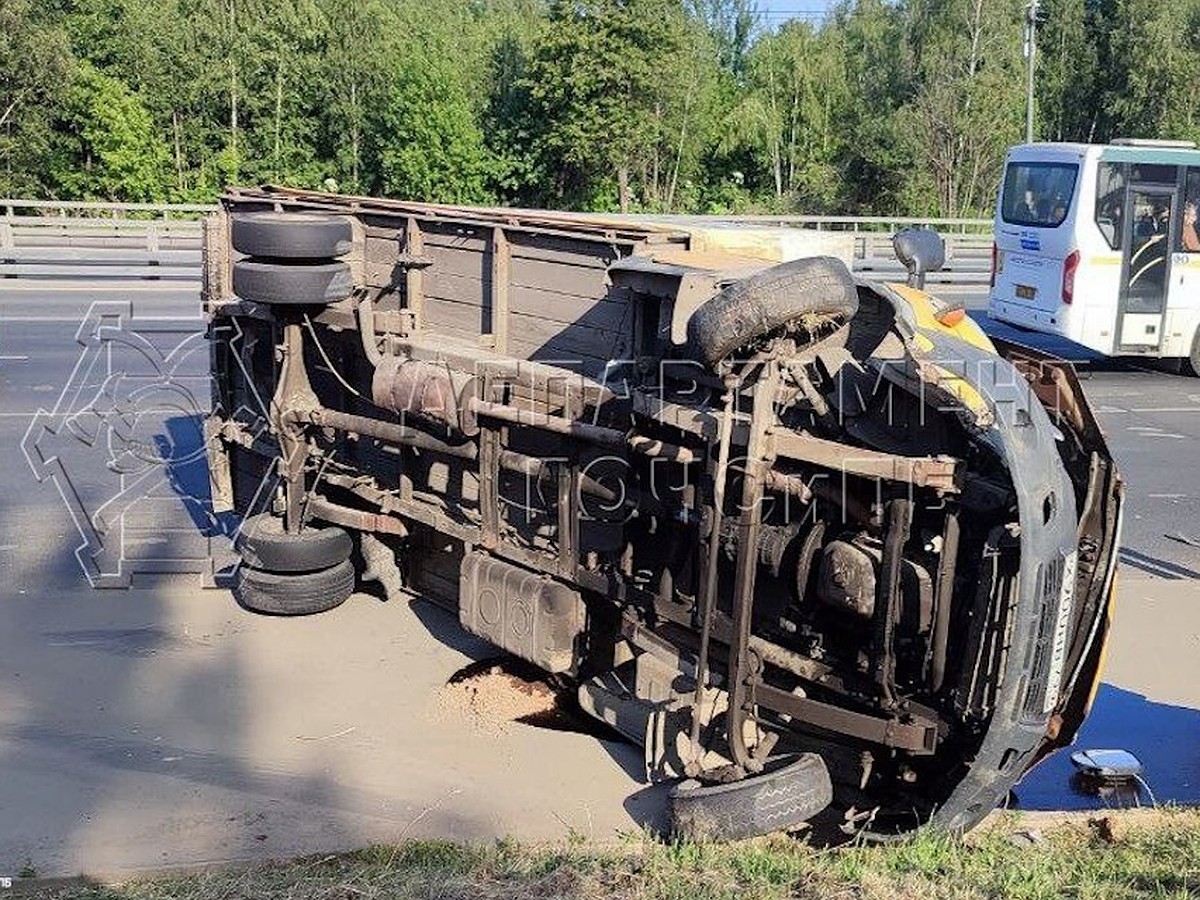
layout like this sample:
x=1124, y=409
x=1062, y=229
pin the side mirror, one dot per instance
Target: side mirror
x=919, y=250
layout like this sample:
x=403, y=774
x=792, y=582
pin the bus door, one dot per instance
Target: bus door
x=1149, y=238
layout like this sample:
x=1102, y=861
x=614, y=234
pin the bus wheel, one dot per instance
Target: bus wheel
x=1191, y=364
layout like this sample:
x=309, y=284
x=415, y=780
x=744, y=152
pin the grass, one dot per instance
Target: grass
x=1150, y=854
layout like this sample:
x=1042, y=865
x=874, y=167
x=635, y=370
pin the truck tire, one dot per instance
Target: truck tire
x=291, y=284
x=263, y=544
x=755, y=307
x=784, y=796
x=293, y=594
x=294, y=235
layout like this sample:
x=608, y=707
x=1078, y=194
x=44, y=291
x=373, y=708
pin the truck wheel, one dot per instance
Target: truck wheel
x=263, y=544
x=291, y=284
x=294, y=235
x=782, y=797
x=804, y=292
x=293, y=594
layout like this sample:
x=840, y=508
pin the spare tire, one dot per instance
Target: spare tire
x=291, y=284
x=291, y=235
x=293, y=594
x=754, y=307
x=786, y=794
x=263, y=544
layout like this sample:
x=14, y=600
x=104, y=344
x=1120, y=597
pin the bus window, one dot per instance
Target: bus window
x=1154, y=173
x=1038, y=194
x=1110, y=202
x=1189, y=234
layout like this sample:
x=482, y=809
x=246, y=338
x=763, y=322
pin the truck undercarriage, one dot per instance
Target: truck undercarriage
x=815, y=543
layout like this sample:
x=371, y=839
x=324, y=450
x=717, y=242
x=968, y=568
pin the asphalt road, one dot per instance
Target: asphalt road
x=163, y=725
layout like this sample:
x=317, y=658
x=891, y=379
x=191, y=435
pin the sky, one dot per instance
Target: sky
x=776, y=12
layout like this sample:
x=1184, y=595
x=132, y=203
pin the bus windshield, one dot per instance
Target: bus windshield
x=1038, y=194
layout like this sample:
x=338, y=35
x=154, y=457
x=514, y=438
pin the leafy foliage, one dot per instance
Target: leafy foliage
x=34, y=62
x=428, y=141
x=969, y=106
x=108, y=148
x=887, y=106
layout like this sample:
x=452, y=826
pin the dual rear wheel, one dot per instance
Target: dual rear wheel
x=292, y=574
x=292, y=259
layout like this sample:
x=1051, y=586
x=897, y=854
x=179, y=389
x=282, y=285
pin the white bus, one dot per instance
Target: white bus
x=1099, y=243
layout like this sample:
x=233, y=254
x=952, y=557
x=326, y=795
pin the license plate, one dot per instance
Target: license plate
x=1025, y=292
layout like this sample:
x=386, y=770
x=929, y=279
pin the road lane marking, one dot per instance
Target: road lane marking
x=1147, y=409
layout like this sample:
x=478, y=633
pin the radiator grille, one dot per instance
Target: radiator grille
x=1055, y=591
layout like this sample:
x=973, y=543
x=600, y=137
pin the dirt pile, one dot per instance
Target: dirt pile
x=491, y=697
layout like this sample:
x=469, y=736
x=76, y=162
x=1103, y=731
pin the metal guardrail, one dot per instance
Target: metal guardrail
x=85, y=208
x=43, y=238
x=884, y=224
x=852, y=222
x=78, y=210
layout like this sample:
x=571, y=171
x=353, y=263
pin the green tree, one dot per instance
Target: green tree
x=1156, y=50
x=279, y=108
x=789, y=113
x=34, y=64
x=359, y=46
x=886, y=106
x=427, y=141
x=176, y=55
x=731, y=24
x=512, y=129
x=593, y=81
x=876, y=153
x=1068, y=80
x=969, y=107
x=109, y=148
x=687, y=103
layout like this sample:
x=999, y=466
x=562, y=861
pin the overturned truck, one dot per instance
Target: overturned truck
x=822, y=548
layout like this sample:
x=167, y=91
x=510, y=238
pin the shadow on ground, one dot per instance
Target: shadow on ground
x=1164, y=737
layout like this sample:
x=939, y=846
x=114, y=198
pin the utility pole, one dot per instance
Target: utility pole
x=1031, y=18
